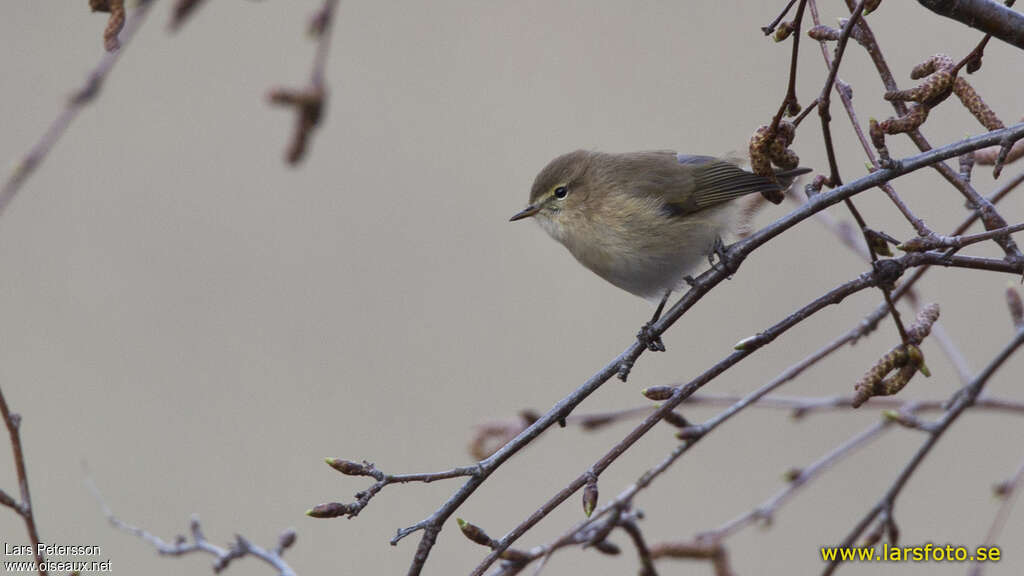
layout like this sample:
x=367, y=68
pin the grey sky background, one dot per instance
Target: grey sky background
x=201, y=325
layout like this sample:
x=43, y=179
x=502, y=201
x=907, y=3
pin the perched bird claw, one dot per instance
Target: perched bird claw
x=650, y=339
x=718, y=249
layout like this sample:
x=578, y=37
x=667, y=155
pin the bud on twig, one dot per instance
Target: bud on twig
x=350, y=468
x=590, y=496
x=330, y=510
x=879, y=242
x=658, y=393
x=783, y=31
x=1013, y=301
x=676, y=419
x=286, y=540
x=475, y=533
x=607, y=547
x=746, y=343
x=792, y=474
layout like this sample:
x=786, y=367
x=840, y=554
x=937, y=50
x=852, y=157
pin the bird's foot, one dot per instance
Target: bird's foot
x=722, y=263
x=649, y=338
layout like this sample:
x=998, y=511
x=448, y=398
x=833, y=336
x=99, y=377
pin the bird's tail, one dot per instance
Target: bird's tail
x=787, y=177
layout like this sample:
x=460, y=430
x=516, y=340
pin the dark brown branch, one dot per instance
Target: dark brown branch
x=24, y=507
x=973, y=60
x=986, y=15
x=646, y=562
x=989, y=217
x=845, y=234
x=309, y=102
x=825, y=98
x=183, y=9
x=824, y=103
x=789, y=102
x=845, y=96
x=771, y=27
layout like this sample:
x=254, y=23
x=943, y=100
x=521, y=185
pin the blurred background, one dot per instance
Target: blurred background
x=200, y=325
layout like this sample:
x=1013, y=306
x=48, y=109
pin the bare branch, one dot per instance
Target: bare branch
x=82, y=97
x=964, y=399
x=986, y=15
x=182, y=546
x=309, y=102
x=731, y=260
x=24, y=507
x=1007, y=491
x=836, y=295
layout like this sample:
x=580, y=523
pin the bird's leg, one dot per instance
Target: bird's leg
x=646, y=335
x=718, y=249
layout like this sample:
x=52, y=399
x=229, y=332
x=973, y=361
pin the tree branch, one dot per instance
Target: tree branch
x=181, y=546
x=986, y=15
x=732, y=258
x=24, y=507
x=964, y=399
x=79, y=100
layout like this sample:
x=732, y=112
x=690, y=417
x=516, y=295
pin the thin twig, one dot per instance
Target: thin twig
x=799, y=406
x=834, y=178
x=731, y=260
x=847, y=100
x=989, y=216
x=957, y=241
x=825, y=98
x=309, y=102
x=845, y=235
x=790, y=99
x=1008, y=491
x=349, y=468
x=834, y=296
x=771, y=27
x=74, y=105
x=963, y=400
x=24, y=507
x=646, y=563
x=181, y=546
x=765, y=511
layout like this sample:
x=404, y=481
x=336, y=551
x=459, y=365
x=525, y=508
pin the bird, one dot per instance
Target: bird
x=644, y=220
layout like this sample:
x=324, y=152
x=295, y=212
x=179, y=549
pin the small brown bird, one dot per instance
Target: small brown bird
x=643, y=220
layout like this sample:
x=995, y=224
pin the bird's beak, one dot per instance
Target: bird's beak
x=525, y=212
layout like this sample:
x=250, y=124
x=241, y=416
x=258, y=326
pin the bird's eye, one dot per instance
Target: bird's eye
x=561, y=192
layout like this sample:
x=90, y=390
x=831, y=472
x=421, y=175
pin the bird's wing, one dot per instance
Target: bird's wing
x=714, y=182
